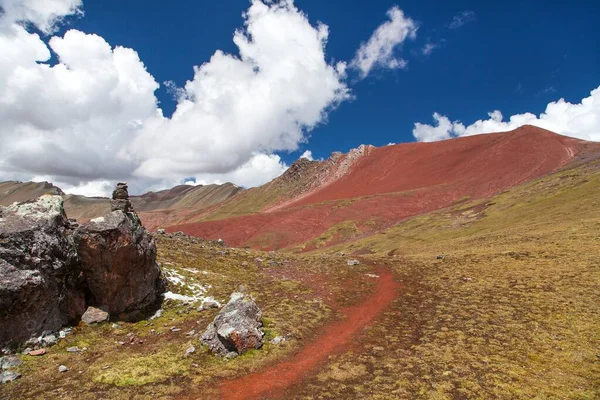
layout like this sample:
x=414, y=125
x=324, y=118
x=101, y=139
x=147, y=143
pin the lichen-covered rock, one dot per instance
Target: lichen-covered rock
x=236, y=329
x=40, y=287
x=118, y=260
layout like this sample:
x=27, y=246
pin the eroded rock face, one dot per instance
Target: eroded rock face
x=40, y=286
x=118, y=259
x=236, y=329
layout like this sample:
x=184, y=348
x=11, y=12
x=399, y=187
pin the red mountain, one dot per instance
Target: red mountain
x=368, y=189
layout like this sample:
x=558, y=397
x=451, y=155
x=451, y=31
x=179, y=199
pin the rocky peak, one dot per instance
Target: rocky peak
x=297, y=169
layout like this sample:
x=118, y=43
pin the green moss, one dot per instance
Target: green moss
x=136, y=369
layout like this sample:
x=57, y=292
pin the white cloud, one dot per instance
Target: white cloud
x=580, y=120
x=260, y=169
x=429, y=48
x=262, y=101
x=379, y=50
x=91, y=189
x=72, y=119
x=46, y=15
x=93, y=117
x=308, y=155
x=461, y=19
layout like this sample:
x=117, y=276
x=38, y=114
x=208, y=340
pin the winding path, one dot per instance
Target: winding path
x=274, y=379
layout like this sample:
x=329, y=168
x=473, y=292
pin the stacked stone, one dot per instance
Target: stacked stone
x=120, y=199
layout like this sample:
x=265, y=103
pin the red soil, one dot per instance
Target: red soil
x=402, y=181
x=336, y=337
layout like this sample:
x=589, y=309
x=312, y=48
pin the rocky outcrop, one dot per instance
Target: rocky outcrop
x=40, y=286
x=236, y=329
x=118, y=259
x=51, y=270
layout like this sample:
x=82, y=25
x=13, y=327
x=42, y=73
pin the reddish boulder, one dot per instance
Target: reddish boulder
x=118, y=261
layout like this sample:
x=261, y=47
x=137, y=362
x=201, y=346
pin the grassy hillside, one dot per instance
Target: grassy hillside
x=500, y=301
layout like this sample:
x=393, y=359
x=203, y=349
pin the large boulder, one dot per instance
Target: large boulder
x=236, y=329
x=40, y=286
x=118, y=260
x=50, y=273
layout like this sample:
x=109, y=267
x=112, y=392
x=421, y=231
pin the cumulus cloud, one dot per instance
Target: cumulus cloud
x=45, y=15
x=379, y=50
x=93, y=117
x=580, y=120
x=461, y=19
x=308, y=155
x=264, y=100
x=72, y=119
x=259, y=169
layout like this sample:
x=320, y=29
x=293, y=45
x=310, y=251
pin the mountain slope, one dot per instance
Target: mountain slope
x=14, y=191
x=370, y=189
x=83, y=208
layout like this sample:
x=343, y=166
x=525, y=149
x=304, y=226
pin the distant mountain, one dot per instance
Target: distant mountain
x=320, y=203
x=14, y=191
x=83, y=208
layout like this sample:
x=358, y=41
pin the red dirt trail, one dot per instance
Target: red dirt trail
x=274, y=379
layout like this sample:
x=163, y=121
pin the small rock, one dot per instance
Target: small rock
x=353, y=262
x=63, y=368
x=208, y=304
x=48, y=340
x=191, y=350
x=278, y=340
x=106, y=367
x=245, y=264
x=37, y=353
x=27, y=350
x=94, y=316
x=115, y=326
x=258, y=260
x=231, y=355
x=467, y=279
x=8, y=376
x=161, y=231
x=10, y=362
x=190, y=333
x=441, y=257
x=73, y=349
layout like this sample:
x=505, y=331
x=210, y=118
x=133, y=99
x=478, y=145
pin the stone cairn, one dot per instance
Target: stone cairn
x=120, y=199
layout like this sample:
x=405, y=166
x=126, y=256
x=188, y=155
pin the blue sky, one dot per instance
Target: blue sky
x=515, y=57
x=85, y=102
